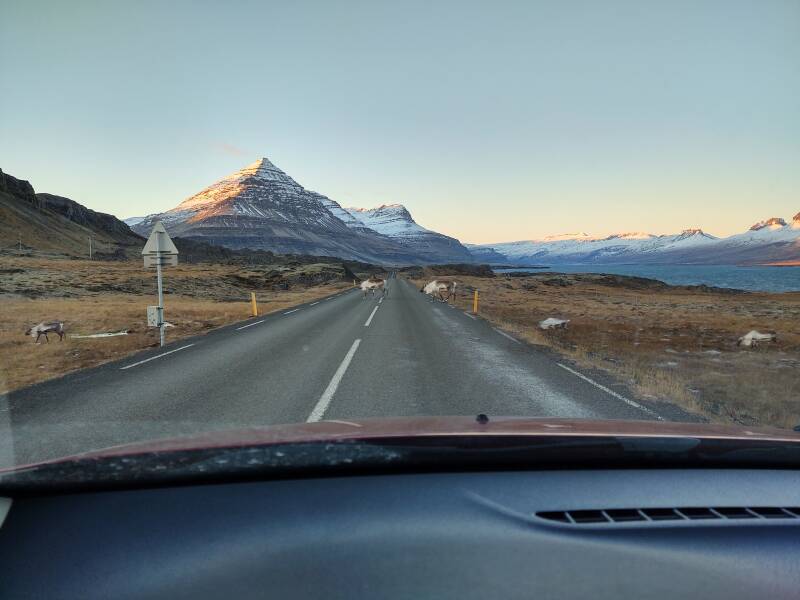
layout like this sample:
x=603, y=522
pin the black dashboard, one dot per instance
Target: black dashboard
x=604, y=534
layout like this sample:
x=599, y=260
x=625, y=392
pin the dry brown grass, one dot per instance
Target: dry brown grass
x=672, y=344
x=214, y=295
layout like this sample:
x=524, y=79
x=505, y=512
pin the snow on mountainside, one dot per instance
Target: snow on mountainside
x=261, y=207
x=395, y=222
x=594, y=249
x=389, y=219
x=345, y=216
x=766, y=241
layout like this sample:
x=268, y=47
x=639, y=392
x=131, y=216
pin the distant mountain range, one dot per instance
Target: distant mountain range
x=261, y=207
x=769, y=241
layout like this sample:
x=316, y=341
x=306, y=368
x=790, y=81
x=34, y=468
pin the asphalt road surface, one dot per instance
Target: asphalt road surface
x=343, y=357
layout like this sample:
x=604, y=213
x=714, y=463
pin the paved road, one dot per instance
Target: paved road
x=338, y=358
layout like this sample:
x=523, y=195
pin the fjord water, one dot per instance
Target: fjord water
x=762, y=279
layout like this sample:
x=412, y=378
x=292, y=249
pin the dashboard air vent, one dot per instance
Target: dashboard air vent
x=690, y=513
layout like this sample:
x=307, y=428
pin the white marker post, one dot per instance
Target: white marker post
x=159, y=251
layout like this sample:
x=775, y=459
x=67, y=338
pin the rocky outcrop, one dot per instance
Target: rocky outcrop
x=773, y=222
x=19, y=188
x=78, y=213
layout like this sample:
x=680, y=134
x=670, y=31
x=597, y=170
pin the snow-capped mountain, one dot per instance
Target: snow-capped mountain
x=394, y=221
x=261, y=207
x=766, y=241
x=131, y=221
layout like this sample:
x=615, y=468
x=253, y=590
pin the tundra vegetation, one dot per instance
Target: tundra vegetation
x=112, y=296
x=668, y=343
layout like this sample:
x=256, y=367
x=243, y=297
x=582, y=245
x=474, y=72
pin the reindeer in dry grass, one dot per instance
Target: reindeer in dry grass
x=42, y=329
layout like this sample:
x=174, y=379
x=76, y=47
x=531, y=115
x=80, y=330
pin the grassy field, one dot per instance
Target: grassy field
x=95, y=297
x=670, y=343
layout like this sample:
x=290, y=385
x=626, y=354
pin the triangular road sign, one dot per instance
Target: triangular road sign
x=159, y=241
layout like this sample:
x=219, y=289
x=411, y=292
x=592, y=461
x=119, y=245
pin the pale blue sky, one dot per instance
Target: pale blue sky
x=490, y=121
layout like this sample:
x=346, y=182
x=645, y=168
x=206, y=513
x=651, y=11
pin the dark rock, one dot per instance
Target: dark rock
x=19, y=188
x=77, y=213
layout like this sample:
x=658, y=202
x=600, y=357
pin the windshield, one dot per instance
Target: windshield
x=221, y=217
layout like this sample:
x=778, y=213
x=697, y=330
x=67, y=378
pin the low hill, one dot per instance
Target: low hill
x=59, y=226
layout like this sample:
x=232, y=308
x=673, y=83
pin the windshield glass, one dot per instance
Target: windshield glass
x=216, y=217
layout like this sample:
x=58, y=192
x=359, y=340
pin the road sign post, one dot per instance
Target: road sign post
x=158, y=252
x=160, y=304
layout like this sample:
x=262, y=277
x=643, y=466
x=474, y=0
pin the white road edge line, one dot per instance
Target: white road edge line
x=372, y=314
x=470, y=316
x=288, y=312
x=141, y=362
x=250, y=325
x=314, y=303
x=611, y=392
x=327, y=395
x=504, y=334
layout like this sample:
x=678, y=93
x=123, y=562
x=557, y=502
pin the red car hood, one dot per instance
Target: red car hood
x=420, y=427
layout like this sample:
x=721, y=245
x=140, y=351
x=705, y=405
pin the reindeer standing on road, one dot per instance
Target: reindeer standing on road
x=373, y=283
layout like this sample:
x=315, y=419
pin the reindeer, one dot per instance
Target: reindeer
x=373, y=283
x=42, y=329
x=443, y=288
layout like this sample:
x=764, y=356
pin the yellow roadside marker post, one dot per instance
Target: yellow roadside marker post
x=475, y=303
x=253, y=305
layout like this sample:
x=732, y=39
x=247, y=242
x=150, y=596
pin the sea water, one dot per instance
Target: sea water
x=766, y=279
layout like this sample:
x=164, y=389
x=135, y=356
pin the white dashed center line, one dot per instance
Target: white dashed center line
x=249, y=325
x=288, y=312
x=314, y=303
x=327, y=395
x=146, y=360
x=372, y=314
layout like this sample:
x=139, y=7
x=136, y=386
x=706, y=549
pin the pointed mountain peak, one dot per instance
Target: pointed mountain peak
x=264, y=169
x=796, y=220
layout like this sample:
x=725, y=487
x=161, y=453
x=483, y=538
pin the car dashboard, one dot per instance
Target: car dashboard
x=603, y=534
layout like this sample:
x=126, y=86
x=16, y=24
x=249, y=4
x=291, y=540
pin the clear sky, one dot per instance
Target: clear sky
x=490, y=121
